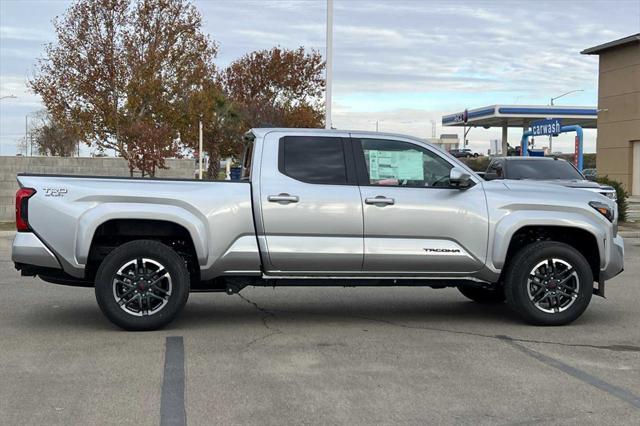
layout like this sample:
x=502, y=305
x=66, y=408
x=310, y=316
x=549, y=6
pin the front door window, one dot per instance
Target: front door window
x=394, y=163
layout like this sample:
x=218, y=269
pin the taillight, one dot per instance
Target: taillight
x=22, y=208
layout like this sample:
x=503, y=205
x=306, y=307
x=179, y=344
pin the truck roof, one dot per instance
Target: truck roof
x=517, y=158
x=262, y=131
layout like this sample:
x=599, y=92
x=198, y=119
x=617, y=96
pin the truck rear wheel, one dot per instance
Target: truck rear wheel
x=548, y=283
x=142, y=285
x=483, y=295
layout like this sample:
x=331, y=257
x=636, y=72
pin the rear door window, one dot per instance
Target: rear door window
x=311, y=159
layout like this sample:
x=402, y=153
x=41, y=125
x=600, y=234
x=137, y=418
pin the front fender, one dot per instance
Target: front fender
x=510, y=223
x=90, y=220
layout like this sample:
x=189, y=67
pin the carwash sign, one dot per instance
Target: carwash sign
x=550, y=126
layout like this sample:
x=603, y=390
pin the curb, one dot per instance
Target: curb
x=7, y=233
x=629, y=234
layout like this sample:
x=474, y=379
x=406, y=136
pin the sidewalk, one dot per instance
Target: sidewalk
x=629, y=230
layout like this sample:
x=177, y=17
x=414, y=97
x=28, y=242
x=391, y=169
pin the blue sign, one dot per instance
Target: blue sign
x=545, y=127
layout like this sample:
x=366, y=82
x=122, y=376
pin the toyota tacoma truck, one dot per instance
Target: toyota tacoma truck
x=319, y=207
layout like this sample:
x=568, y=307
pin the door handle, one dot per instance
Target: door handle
x=283, y=198
x=380, y=200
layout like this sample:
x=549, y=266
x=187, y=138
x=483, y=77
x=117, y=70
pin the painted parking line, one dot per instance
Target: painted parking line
x=172, y=410
x=621, y=393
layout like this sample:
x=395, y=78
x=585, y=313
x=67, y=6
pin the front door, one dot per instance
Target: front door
x=311, y=208
x=414, y=221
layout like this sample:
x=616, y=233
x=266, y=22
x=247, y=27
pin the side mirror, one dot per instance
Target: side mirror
x=459, y=178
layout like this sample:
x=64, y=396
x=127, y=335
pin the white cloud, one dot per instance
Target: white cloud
x=24, y=34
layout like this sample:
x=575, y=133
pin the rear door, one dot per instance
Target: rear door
x=414, y=221
x=311, y=207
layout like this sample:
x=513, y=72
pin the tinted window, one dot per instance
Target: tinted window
x=246, y=162
x=393, y=163
x=541, y=169
x=313, y=159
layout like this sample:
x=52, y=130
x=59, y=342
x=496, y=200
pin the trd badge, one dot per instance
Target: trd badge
x=54, y=192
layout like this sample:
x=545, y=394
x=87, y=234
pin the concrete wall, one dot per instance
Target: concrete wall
x=619, y=116
x=10, y=166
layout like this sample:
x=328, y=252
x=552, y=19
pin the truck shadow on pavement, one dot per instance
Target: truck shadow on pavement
x=208, y=313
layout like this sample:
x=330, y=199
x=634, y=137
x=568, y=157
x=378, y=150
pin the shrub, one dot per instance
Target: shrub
x=622, y=196
x=477, y=164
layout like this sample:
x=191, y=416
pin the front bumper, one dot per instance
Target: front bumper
x=28, y=249
x=616, y=259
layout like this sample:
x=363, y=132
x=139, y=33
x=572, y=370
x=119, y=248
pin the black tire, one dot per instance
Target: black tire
x=483, y=295
x=522, y=288
x=475, y=155
x=173, y=286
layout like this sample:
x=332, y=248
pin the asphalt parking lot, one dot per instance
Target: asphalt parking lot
x=317, y=356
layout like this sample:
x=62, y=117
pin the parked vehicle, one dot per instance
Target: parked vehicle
x=463, y=153
x=590, y=174
x=551, y=170
x=319, y=207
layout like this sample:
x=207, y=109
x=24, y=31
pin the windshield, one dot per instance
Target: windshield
x=542, y=170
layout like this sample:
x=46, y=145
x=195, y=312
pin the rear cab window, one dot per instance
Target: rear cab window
x=315, y=160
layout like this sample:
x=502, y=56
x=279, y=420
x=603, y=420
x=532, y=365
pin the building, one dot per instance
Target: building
x=446, y=141
x=618, y=143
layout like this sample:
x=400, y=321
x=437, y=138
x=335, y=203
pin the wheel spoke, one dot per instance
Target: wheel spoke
x=155, y=296
x=122, y=279
x=569, y=295
x=540, y=300
x=538, y=292
x=123, y=302
x=160, y=289
x=550, y=267
x=566, y=273
x=157, y=280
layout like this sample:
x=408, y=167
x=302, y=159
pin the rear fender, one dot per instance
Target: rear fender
x=89, y=221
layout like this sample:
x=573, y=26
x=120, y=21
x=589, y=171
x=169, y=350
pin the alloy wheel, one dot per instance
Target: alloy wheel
x=142, y=287
x=553, y=285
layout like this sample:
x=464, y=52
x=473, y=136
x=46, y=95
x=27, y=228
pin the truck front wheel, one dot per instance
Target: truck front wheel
x=548, y=283
x=142, y=285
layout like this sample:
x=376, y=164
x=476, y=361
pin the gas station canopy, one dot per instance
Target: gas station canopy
x=522, y=115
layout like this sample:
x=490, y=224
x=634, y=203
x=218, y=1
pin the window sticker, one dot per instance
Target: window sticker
x=396, y=165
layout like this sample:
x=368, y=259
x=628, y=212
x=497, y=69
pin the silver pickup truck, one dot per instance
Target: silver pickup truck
x=319, y=207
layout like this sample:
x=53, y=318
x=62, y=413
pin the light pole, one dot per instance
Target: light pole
x=329, y=65
x=551, y=103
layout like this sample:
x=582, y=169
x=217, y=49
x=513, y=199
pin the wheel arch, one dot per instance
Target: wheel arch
x=112, y=233
x=581, y=239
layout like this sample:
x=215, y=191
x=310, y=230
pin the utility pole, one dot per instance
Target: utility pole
x=329, y=65
x=200, y=150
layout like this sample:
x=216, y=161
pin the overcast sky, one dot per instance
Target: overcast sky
x=403, y=63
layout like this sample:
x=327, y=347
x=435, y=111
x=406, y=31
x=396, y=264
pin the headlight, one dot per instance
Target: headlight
x=612, y=195
x=603, y=209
